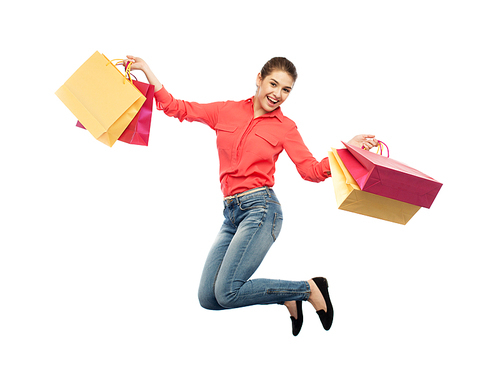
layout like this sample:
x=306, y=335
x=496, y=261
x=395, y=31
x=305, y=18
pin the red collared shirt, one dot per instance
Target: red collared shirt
x=248, y=148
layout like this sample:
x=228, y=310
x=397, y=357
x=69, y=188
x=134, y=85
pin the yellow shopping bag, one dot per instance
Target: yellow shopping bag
x=350, y=197
x=101, y=98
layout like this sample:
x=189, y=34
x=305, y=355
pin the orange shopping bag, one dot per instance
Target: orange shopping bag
x=101, y=98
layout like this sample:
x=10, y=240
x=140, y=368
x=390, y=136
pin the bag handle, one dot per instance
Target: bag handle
x=127, y=69
x=128, y=65
x=380, y=148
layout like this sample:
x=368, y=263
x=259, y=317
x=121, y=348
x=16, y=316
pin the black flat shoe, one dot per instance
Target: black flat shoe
x=297, y=323
x=325, y=317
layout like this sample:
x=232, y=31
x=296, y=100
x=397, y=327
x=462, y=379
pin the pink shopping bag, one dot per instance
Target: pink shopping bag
x=387, y=177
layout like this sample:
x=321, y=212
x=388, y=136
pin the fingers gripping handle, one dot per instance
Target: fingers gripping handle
x=380, y=148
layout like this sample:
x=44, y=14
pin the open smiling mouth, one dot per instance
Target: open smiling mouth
x=272, y=100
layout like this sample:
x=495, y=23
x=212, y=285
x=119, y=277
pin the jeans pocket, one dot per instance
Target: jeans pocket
x=277, y=223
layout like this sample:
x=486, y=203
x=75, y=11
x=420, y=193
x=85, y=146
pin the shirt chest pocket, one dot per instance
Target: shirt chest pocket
x=225, y=135
x=269, y=138
x=266, y=145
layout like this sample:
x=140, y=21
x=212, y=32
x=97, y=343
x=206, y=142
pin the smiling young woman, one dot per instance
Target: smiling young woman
x=274, y=83
x=272, y=92
x=251, y=134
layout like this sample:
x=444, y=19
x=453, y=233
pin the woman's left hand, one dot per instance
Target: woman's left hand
x=368, y=141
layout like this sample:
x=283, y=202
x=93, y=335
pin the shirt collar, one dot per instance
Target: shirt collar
x=277, y=113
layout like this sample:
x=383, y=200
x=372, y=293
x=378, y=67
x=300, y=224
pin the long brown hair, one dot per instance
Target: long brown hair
x=280, y=64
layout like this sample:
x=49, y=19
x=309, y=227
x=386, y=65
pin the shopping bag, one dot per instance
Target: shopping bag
x=387, y=177
x=137, y=132
x=351, y=198
x=101, y=98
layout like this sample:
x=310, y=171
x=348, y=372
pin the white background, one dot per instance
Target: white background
x=102, y=248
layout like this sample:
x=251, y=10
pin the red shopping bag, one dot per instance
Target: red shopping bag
x=387, y=177
x=137, y=132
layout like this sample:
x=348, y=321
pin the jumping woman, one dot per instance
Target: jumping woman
x=251, y=134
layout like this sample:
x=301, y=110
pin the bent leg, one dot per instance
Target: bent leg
x=254, y=237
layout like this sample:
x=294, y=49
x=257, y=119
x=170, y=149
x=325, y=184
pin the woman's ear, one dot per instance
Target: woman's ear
x=259, y=80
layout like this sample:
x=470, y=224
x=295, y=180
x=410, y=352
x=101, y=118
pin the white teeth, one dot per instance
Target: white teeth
x=272, y=100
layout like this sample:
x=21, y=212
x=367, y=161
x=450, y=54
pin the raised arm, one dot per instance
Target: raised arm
x=191, y=111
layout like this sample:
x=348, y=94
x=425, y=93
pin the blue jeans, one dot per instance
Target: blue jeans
x=252, y=223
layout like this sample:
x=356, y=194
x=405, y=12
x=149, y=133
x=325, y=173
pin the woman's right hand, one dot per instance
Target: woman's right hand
x=137, y=63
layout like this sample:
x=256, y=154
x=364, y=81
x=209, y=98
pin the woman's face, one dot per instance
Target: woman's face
x=272, y=91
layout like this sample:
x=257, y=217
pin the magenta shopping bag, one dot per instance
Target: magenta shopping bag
x=387, y=177
x=137, y=132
